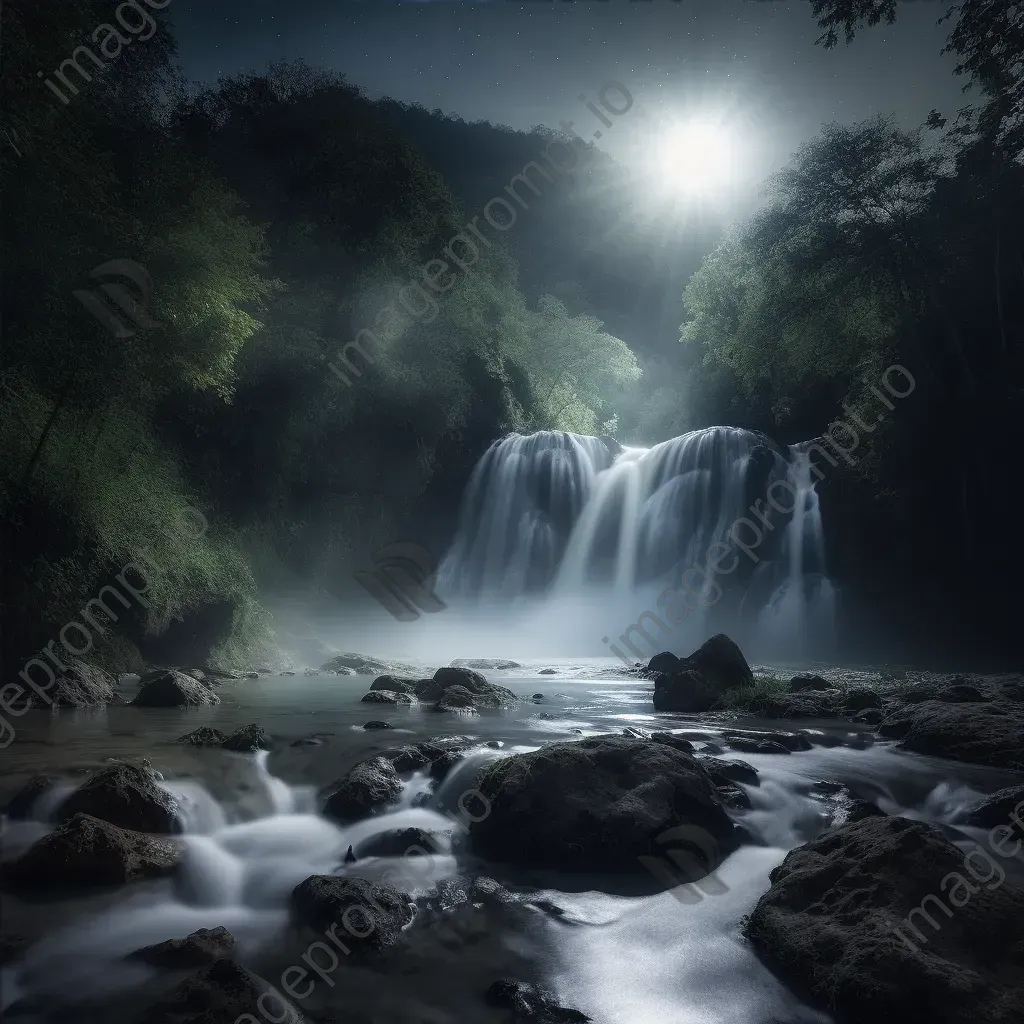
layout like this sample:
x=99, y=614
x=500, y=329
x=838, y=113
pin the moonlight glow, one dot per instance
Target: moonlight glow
x=699, y=158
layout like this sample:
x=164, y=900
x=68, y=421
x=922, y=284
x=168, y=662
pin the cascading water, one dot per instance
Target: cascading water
x=594, y=533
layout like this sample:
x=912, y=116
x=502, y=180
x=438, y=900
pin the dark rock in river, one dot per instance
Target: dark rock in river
x=166, y=688
x=223, y=993
x=419, y=755
x=869, y=716
x=444, y=763
x=196, y=950
x=996, y=809
x=721, y=663
x=679, y=742
x=78, y=685
x=962, y=693
x=204, y=736
x=367, y=788
x=399, y=842
x=394, y=684
x=364, y=666
x=462, y=689
x=989, y=733
x=789, y=740
x=596, y=804
x=24, y=800
x=247, y=739
x=530, y=1005
x=375, y=724
x=87, y=852
x=861, y=699
x=365, y=917
x=726, y=770
x=861, y=809
x=685, y=692
x=862, y=918
x=806, y=704
x=548, y=672
x=760, y=745
x=126, y=795
x=808, y=681
x=386, y=697
x=495, y=664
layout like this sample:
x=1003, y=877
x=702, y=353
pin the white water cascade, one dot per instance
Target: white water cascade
x=593, y=533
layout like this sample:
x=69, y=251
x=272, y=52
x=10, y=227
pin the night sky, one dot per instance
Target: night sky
x=753, y=62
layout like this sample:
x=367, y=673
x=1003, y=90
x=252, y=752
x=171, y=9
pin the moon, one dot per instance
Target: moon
x=699, y=158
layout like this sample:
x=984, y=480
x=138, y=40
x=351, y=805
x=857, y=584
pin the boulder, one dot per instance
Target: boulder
x=420, y=755
x=463, y=689
x=247, y=739
x=996, y=809
x=25, y=799
x=808, y=681
x=962, y=693
x=126, y=795
x=869, y=716
x=721, y=663
x=530, y=1005
x=548, y=672
x=725, y=770
x=375, y=724
x=85, y=851
x=806, y=704
x=77, y=685
x=684, y=692
x=399, y=842
x=860, y=698
x=393, y=684
x=166, y=688
x=367, y=788
x=790, y=740
x=989, y=733
x=364, y=666
x=222, y=993
x=196, y=950
x=386, y=697
x=204, y=736
x=444, y=763
x=597, y=803
x=679, y=742
x=457, y=699
x=756, y=745
x=860, y=809
x=366, y=917
x=862, y=919
x=664, y=662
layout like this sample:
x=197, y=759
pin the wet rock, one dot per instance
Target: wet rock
x=393, y=684
x=790, y=740
x=548, y=672
x=444, y=763
x=495, y=664
x=595, y=803
x=166, y=688
x=666, y=662
x=462, y=690
x=247, y=739
x=678, y=742
x=756, y=745
x=861, y=698
x=996, y=809
x=369, y=787
x=364, y=666
x=419, y=755
x=196, y=950
x=529, y=1005
x=634, y=733
x=869, y=716
x=204, y=736
x=847, y=920
x=366, y=917
x=400, y=842
x=684, y=692
x=988, y=733
x=806, y=704
x=250, y=675
x=126, y=795
x=537, y=696
x=77, y=685
x=307, y=741
x=85, y=851
x=20, y=807
x=861, y=809
x=223, y=993
x=721, y=663
x=377, y=725
x=808, y=681
x=386, y=697
x=726, y=770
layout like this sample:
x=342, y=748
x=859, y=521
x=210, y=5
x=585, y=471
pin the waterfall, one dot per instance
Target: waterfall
x=559, y=518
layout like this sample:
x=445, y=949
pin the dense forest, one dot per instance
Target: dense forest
x=280, y=214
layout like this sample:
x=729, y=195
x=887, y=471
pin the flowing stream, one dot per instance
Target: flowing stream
x=253, y=831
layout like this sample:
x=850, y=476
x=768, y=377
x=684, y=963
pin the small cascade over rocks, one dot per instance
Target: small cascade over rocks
x=726, y=516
